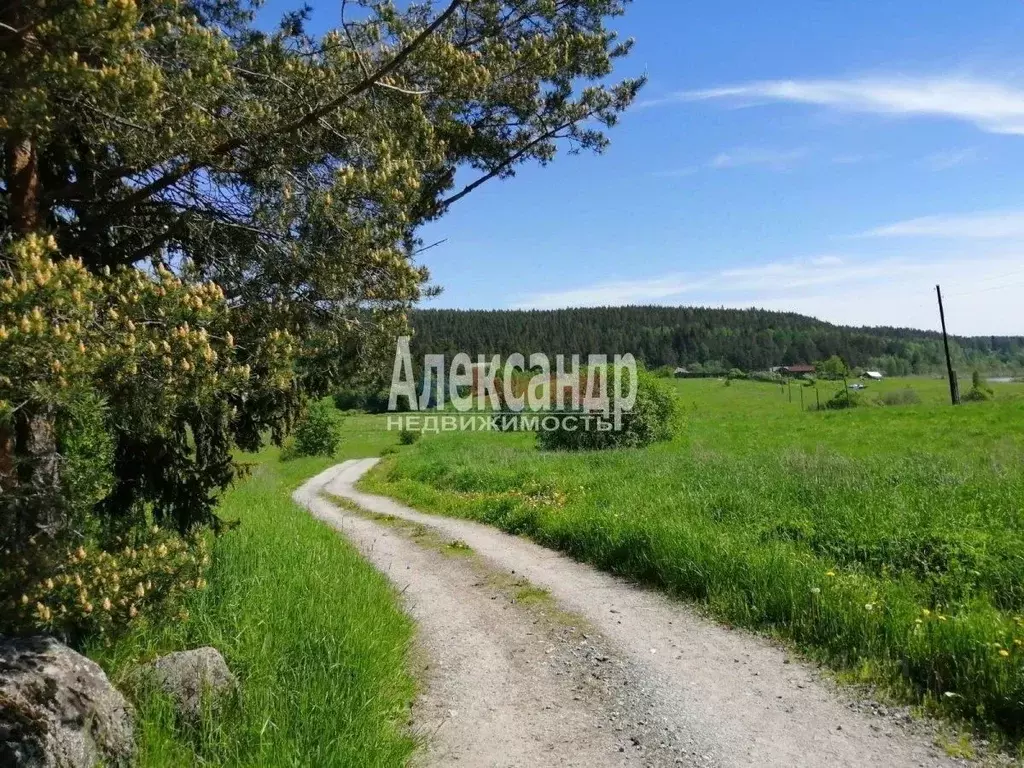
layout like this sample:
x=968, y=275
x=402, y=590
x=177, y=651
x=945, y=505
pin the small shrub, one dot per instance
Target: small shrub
x=87, y=590
x=771, y=377
x=976, y=395
x=842, y=399
x=319, y=432
x=736, y=373
x=408, y=437
x=349, y=400
x=900, y=397
x=654, y=417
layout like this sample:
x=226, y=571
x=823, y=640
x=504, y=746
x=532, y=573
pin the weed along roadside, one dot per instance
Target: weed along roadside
x=658, y=685
x=864, y=538
x=314, y=634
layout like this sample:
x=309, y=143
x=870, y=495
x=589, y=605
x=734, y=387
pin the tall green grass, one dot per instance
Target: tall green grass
x=313, y=633
x=886, y=540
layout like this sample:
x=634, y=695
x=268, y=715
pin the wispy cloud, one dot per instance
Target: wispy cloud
x=741, y=157
x=773, y=276
x=981, y=225
x=775, y=159
x=943, y=161
x=852, y=290
x=991, y=106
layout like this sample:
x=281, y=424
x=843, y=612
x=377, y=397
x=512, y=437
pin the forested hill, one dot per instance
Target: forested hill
x=701, y=338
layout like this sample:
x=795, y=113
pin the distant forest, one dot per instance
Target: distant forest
x=704, y=339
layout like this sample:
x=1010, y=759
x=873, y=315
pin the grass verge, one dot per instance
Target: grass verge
x=884, y=541
x=314, y=634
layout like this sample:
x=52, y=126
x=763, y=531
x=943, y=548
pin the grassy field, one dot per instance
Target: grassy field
x=884, y=540
x=311, y=630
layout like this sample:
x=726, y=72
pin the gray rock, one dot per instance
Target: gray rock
x=58, y=710
x=186, y=676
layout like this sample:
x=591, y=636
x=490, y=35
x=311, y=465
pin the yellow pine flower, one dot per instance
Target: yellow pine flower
x=43, y=612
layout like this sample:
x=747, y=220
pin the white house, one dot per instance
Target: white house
x=873, y=375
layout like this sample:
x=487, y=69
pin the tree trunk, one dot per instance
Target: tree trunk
x=23, y=185
x=29, y=460
x=7, y=471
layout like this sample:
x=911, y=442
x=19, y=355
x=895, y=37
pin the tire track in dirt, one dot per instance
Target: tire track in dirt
x=608, y=674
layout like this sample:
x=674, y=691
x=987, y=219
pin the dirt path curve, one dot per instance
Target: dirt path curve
x=609, y=674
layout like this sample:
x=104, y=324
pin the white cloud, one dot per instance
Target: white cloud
x=942, y=161
x=740, y=157
x=991, y=106
x=981, y=225
x=776, y=159
x=613, y=293
x=979, y=290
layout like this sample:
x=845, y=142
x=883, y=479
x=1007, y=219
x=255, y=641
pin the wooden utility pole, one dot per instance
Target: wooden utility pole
x=954, y=387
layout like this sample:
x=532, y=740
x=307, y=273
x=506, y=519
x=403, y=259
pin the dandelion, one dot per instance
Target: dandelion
x=925, y=612
x=869, y=606
x=1003, y=652
x=815, y=590
x=830, y=574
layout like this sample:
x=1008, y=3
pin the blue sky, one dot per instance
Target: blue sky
x=832, y=158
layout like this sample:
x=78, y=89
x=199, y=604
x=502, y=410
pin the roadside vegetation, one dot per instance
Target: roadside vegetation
x=209, y=219
x=886, y=541
x=313, y=632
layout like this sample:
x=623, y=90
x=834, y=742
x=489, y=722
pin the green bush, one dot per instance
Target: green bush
x=368, y=400
x=319, y=431
x=408, y=437
x=900, y=397
x=976, y=395
x=654, y=417
x=842, y=399
x=350, y=400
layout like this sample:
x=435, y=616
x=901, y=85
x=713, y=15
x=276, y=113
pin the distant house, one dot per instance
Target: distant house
x=796, y=370
x=873, y=375
x=680, y=373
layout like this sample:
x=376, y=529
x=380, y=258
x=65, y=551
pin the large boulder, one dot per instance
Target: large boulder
x=58, y=710
x=186, y=676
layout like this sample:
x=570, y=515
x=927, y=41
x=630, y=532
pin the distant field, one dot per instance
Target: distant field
x=886, y=540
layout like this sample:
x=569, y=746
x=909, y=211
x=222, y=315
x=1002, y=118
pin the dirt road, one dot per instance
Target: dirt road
x=532, y=659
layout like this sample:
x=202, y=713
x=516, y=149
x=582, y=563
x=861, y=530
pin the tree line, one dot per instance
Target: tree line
x=705, y=339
